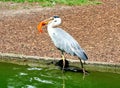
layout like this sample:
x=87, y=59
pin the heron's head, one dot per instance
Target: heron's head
x=52, y=21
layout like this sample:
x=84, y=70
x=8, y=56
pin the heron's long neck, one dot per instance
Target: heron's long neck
x=49, y=26
x=50, y=29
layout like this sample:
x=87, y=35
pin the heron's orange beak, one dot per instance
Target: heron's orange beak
x=42, y=23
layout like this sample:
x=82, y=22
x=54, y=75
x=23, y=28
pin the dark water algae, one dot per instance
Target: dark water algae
x=18, y=76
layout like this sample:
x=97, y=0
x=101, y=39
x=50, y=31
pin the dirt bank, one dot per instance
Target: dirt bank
x=95, y=27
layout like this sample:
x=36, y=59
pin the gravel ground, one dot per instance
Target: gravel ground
x=95, y=27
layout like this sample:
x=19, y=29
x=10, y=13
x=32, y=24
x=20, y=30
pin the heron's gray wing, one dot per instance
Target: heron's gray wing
x=67, y=43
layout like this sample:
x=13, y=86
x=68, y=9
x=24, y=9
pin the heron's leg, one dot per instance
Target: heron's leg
x=63, y=57
x=82, y=67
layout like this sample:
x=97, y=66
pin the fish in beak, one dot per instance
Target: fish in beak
x=42, y=23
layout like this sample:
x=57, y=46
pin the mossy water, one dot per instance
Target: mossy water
x=18, y=76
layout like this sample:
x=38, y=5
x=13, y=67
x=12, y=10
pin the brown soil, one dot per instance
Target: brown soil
x=95, y=27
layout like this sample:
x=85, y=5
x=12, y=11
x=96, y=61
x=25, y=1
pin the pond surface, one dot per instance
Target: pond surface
x=18, y=76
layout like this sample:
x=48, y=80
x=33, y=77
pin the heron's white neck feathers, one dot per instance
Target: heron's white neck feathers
x=51, y=27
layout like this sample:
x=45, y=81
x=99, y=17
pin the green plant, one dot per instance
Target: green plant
x=45, y=3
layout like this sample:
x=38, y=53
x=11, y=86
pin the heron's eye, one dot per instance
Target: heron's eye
x=55, y=20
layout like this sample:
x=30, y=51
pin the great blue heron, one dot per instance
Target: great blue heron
x=62, y=40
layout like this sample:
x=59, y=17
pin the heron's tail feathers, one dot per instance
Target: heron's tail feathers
x=85, y=56
x=82, y=56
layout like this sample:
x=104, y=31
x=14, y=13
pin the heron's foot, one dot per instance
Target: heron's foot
x=85, y=72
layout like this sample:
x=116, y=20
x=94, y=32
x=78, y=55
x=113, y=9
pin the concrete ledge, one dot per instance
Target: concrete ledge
x=41, y=61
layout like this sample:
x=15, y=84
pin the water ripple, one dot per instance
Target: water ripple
x=34, y=68
x=43, y=81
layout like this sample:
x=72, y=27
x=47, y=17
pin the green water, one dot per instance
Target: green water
x=17, y=76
